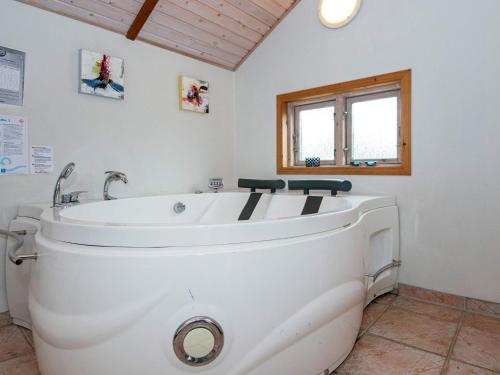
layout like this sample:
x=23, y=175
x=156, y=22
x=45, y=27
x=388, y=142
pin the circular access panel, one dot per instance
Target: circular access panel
x=198, y=341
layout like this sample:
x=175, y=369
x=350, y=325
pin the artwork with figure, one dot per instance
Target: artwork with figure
x=193, y=95
x=102, y=75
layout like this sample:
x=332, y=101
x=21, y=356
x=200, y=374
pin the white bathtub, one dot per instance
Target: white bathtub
x=285, y=293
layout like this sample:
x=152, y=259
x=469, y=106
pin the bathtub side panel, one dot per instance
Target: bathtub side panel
x=381, y=236
x=116, y=310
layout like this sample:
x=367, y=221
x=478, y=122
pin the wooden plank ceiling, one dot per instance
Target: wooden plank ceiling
x=219, y=32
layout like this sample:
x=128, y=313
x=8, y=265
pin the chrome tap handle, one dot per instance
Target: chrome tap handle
x=65, y=200
x=71, y=198
x=74, y=196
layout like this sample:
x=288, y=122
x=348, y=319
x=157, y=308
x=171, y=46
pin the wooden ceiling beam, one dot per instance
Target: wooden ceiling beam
x=141, y=18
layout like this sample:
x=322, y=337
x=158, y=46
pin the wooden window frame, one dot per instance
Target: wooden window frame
x=284, y=112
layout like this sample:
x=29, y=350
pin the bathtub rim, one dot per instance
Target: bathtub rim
x=157, y=236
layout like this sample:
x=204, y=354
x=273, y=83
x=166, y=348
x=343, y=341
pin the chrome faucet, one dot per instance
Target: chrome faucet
x=65, y=173
x=112, y=176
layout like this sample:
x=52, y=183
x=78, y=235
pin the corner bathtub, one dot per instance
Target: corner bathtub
x=131, y=287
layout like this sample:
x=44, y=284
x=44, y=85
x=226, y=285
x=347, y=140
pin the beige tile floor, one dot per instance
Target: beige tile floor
x=399, y=336
x=17, y=356
x=405, y=336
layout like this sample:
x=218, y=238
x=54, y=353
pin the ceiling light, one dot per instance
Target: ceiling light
x=337, y=13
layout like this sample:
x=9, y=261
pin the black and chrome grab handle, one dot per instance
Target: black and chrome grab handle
x=19, y=241
x=252, y=184
x=333, y=186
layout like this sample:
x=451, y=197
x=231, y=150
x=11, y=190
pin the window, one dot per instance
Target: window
x=356, y=127
x=313, y=132
x=373, y=127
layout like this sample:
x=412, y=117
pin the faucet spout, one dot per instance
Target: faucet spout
x=112, y=176
x=65, y=173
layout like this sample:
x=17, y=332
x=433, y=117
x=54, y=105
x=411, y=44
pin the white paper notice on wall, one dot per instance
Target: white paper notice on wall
x=13, y=145
x=42, y=159
x=11, y=76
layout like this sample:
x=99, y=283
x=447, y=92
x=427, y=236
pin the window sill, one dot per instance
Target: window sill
x=381, y=169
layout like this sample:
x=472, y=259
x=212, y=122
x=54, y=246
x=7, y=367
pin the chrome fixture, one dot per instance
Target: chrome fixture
x=112, y=176
x=376, y=274
x=72, y=198
x=179, y=207
x=65, y=173
x=215, y=183
x=198, y=341
x=19, y=241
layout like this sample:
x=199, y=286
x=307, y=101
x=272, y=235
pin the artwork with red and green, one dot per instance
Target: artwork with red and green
x=193, y=95
x=102, y=75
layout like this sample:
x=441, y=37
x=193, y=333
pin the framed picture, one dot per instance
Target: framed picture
x=102, y=75
x=193, y=95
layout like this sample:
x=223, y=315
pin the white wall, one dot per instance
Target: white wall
x=159, y=147
x=450, y=206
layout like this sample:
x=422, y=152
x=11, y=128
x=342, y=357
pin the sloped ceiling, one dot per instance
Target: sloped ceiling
x=220, y=32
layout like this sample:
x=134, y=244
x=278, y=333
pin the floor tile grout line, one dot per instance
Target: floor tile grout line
x=386, y=307
x=25, y=339
x=433, y=291
x=5, y=322
x=465, y=309
x=432, y=302
x=457, y=325
x=404, y=344
x=448, y=357
x=490, y=312
x=394, y=306
x=432, y=353
x=15, y=357
x=2, y=362
x=473, y=365
x=365, y=331
x=492, y=316
x=452, y=344
x=424, y=314
x=24, y=333
x=396, y=342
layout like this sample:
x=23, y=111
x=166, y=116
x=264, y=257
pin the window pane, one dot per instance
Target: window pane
x=375, y=129
x=316, y=128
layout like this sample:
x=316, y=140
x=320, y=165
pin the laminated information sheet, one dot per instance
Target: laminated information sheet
x=11, y=76
x=13, y=145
